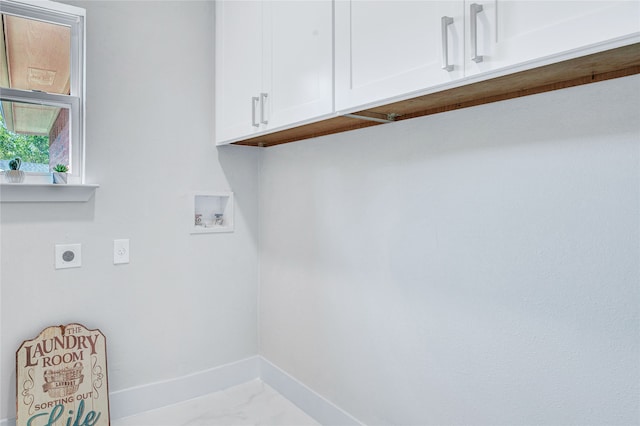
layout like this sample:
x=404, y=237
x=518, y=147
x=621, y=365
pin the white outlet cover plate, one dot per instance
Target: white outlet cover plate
x=68, y=256
x=120, y=251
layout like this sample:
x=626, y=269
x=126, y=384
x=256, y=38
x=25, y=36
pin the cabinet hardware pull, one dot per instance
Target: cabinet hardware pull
x=445, y=22
x=475, y=8
x=254, y=101
x=263, y=97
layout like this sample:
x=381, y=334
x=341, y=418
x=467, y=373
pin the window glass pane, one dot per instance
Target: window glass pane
x=35, y=55
x=38, y=134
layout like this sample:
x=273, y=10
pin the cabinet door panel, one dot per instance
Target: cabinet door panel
x=238, y=66
x=534, y=29
x=390, y=48
x=299, y=57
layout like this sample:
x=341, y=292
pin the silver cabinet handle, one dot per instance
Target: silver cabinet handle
x=445, y=22
x=254, y=102
x=474, y=10
x=263, y=97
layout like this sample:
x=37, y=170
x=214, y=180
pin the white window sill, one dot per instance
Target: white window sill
x=45, y=192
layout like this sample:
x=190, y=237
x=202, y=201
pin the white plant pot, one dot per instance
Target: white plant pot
x=14, y=176
x=59, y=177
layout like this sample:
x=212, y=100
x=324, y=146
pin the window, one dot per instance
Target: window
x=42, y=87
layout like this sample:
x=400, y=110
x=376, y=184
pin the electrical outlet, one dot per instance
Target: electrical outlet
x=120, y=251
x=68, y=256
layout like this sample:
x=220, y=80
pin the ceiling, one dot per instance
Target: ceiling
x=34, y=55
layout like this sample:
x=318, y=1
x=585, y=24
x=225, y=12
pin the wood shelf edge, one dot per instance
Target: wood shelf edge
x=614, y=63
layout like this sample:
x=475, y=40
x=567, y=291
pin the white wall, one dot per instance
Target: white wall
x=475, y=267
x=185, y=303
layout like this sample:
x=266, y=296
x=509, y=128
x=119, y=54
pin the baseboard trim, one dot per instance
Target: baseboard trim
x=136, y=400
x=321, y=409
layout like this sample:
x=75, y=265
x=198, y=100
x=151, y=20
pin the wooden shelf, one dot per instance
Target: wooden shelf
x=613, y=63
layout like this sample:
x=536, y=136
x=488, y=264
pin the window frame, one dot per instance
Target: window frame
x=74, y=18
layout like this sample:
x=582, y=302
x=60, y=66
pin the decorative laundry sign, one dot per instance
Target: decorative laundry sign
x=62, y=378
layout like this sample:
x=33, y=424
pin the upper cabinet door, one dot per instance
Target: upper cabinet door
x=274, y=65
x=515, y=31
x=390, y=48
x=298, y=58
x=238, y=67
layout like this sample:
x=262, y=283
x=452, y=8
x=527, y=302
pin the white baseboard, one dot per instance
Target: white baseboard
x=128, y=402
x=316, y=406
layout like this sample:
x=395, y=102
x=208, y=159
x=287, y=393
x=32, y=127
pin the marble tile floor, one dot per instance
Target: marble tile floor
x=251, y=403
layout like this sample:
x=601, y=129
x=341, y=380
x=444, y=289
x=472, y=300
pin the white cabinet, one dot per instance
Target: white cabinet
x=512, y=32
x=391, y=49
x=274, y=65
x=283, y=64
x=238, y=66
x=388, y=48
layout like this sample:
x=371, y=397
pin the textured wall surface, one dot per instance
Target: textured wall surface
x=476, y=267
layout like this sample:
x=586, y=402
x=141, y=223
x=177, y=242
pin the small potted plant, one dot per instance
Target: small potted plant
x=60, y=173
x=14, y=174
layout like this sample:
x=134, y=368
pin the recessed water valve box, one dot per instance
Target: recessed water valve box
x=211, y=212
